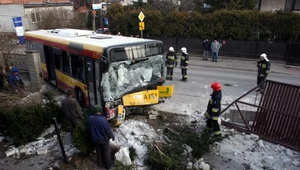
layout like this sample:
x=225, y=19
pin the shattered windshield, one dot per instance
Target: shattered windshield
x=129, y=75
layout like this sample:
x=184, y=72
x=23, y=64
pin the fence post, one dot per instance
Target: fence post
x=256, y=49
x=287, y=52
x=60, y=141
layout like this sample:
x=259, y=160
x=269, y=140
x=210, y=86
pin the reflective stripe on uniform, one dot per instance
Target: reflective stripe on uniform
x=184, y=67
x=262, y=75
x=215, y=110
x=268, y=71
x=171, y=57
x=186, y=61
x=170, y=66
x=207, y=115
x=264, y=65
x=210, y=101
x=215, y=118
x=217, y=132
x=184, y=76
x=182, y=58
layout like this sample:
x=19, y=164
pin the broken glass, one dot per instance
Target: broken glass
x=129, y=75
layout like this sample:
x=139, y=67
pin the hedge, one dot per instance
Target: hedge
x=222, y=24
x=24, y=124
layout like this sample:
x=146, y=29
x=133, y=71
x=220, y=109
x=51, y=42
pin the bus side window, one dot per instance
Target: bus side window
x=65, y=63
x=77, y=67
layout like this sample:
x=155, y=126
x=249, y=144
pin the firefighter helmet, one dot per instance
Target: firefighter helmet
x=183, y=49
x=216, y=86
x=264, y=56
x=171, y=49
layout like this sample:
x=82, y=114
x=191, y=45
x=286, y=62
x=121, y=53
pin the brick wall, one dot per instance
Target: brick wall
x=29, y=1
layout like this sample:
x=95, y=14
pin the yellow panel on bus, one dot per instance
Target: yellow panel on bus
x=165, y=91
x=147, y=97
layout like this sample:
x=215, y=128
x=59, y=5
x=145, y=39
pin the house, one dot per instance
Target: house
x=286, y=5
x=28, y=10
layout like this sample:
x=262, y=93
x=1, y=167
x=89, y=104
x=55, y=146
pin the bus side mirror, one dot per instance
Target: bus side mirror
x=104, y=65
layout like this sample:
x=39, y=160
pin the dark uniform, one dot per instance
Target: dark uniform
x=263, y=71
x=72, y=112
x=213, y=112
x=171, y=62
x=184, y=64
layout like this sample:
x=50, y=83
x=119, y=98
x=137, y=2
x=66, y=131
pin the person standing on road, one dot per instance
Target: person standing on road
x=215, y=47
x=184, y=64
x=72, y=111
x=206, y=49
x=100, y=133
x=263, y=70
x=171, y=62
x=213, y=110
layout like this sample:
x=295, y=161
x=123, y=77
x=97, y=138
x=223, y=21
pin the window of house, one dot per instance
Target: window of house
x=35, y=17
x=297, y=5
x=77, y=67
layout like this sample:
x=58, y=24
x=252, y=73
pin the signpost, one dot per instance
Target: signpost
x=141, y=23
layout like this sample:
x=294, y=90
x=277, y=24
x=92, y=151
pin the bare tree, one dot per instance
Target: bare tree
x=8, y=42
x=61, y=18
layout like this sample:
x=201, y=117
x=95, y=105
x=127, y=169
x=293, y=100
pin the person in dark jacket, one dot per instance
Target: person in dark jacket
x=72, y=111
x=213, y=110
x=15, y=80
x=100, y=133
x=263, y=70
x=171, y=62
x=184, y=63
x=206, y=49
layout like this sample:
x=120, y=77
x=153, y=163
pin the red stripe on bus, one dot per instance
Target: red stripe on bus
x=85, y=52
x=63, y=86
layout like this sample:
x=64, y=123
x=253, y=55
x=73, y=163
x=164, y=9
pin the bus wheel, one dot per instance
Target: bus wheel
x=80, y=97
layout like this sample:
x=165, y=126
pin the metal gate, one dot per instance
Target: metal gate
x=276, y=116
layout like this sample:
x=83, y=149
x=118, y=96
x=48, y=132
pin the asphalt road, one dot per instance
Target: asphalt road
x=232, y=81
x=195, y=93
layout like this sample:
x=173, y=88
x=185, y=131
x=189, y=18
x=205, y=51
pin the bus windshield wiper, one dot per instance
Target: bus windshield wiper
x=139, y=60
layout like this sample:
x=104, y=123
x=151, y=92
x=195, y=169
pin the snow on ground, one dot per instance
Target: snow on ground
x=135, y=134
x=243, y=151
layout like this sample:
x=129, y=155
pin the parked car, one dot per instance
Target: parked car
x=100, y=31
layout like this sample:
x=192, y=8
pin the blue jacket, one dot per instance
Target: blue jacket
x=99, y=129
x=15, y=80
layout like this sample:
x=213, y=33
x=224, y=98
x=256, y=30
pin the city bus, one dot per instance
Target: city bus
x=121, y=74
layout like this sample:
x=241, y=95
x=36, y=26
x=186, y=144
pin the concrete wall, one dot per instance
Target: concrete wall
x=272, y=5
x=7, y=12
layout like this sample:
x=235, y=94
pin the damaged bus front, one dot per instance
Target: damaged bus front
x=133, y=78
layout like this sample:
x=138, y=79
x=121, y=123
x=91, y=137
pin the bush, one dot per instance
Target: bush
x=221, y=24
x=169, y=155
x=24, y=124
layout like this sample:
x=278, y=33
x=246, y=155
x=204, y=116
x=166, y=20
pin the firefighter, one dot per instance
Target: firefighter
x=263, y=70
x=213, y=110
x=184, y=63
x=171, y=61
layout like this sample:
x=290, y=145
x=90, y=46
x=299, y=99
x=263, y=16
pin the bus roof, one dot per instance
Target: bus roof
x=86, y=39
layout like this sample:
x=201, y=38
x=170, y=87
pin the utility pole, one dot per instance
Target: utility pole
x=94, y=17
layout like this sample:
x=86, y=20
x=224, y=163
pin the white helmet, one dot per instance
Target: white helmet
x=183, y=49
x=171, y=49
x=264, y=56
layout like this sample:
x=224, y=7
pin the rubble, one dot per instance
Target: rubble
x=152, y=117
x=11, y=151
x=204, y=166
x=253, y=136
x=42, y=151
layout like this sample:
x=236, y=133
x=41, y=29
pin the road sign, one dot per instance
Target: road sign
x=142, y=26
x=141, y=16
x=96, y=6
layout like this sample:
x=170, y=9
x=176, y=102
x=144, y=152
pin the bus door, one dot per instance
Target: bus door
x=90, y=80
x=50, y=63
